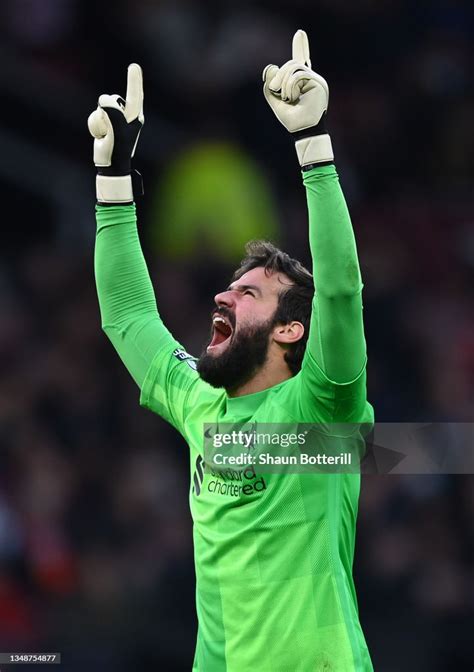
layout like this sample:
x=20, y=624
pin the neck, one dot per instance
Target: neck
x=272, y=373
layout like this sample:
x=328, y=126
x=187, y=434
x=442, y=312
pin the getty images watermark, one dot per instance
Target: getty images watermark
x=384, y=448
x=249, y=440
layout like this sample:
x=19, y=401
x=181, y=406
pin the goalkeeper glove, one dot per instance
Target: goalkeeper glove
x=299, y=98
x=116, y=126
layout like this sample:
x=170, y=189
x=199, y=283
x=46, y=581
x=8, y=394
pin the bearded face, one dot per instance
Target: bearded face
x=234, y=355
x=243, y=329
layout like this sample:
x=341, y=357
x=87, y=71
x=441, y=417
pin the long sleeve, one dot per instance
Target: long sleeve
x=166, y=374
x=127, y=301
x=336, y=340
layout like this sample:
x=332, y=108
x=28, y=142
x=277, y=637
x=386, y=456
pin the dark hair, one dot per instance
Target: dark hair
x=294, y=303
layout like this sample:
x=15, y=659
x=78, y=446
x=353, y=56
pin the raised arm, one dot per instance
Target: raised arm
x=127, y=302
x=169, y=383
x=336, y=338
x=334, y=363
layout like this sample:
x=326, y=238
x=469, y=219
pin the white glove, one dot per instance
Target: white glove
x=299, y=98
x=116, y=126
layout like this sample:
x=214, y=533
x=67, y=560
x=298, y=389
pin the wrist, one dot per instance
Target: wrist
x=114, y=189
x=313, y=150
x=115, y=171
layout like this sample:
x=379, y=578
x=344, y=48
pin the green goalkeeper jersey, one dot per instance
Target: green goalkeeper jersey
x=273, y=551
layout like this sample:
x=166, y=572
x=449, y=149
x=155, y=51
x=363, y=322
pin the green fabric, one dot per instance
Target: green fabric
x=127, y=301
x=273, y=552
x=336, y=337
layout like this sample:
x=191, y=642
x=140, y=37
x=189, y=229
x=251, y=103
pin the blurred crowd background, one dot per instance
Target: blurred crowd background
x=95, y=532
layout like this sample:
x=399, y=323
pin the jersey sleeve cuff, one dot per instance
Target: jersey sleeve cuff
x=114, y=189
x=315, y=149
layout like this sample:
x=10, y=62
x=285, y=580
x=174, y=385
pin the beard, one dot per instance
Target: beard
x=243, y=357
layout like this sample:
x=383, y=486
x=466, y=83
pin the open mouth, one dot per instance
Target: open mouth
x=221, y=333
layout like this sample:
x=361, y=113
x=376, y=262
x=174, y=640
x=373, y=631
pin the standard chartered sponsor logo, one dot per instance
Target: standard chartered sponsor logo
x=227, y=482
x=198, y=476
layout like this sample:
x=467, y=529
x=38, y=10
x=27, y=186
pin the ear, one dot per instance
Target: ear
x=288, y=333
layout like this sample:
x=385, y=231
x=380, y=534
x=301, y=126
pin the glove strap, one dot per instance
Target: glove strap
x=316, y=149
x=114, y=190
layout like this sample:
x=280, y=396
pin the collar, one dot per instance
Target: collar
x=248, y=403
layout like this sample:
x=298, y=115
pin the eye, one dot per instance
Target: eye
x=247, y=291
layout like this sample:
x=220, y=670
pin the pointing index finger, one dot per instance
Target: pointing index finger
x=301, y=48
x=134, y=97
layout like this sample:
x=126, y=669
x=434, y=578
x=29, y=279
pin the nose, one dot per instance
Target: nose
x=225, y=299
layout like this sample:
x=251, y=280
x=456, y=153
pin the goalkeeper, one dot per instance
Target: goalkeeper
x=273, y=558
